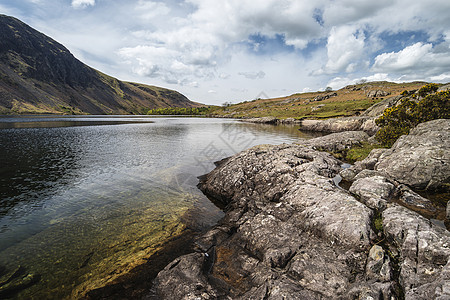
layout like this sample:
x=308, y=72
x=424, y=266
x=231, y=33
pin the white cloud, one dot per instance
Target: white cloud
x=404, y=59
x=345, y=49
x=196, y=45
x=297, y=43
x=253, y=75
x=441, y=78
x=348, y=11
x=82, y=3
x=148, y=10
x=340, y=82
x=417, y=58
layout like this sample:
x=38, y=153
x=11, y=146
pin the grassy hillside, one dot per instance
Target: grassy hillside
x=347, y=101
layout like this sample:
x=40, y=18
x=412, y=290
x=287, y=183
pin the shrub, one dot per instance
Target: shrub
x=428, y=89
x=398, y=120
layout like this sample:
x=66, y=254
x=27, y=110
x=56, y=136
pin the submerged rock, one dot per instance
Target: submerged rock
x=16, y=281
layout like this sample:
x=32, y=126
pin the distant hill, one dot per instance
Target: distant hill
x=348, y=101
x=39, y=75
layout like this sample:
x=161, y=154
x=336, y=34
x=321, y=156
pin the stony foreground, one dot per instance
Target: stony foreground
x=291, y=233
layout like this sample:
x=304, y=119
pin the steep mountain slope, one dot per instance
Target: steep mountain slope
x=39, y=75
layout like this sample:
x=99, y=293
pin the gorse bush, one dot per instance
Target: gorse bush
x=398, y=120
x=428, y=89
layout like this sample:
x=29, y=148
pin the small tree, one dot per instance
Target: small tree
x=361, y=81
x=328, y=89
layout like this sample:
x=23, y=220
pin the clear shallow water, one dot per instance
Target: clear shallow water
x=85, y=199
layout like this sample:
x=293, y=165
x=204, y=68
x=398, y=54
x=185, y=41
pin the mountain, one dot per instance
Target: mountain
x=39, y=75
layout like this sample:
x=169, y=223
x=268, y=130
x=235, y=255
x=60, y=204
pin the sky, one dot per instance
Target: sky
x=236, y=50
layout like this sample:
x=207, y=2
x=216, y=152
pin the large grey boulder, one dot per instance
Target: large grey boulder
x=421, y=159
x=265, y=172
x=377, y=93
x=444, y=88
x=334, y=124
x=374, y=191
x=185, y=278
x=423, y=250
x=289, y=231
x=262, y=120
x=336, y=142
x=378, y=108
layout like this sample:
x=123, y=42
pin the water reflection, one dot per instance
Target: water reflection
x=81, y=205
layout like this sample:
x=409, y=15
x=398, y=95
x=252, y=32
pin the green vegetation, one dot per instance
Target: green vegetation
x=398, y=120
x=378, y=223
x=428, y=89
x=191, y=111
x=360, y=152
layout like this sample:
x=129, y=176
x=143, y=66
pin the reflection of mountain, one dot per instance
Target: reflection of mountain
x=39, y=75
x=35, y=163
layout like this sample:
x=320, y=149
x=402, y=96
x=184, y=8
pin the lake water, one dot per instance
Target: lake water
x=85, y=199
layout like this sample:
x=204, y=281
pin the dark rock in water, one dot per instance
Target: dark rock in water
x=16, y=281
x=409, y=198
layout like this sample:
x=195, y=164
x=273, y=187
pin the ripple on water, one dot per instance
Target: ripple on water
x=82, y=205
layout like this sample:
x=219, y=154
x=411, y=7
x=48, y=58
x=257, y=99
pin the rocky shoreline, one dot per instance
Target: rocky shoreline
x=291, y=233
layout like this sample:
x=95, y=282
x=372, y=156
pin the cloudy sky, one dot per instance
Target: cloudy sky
x=236, y=50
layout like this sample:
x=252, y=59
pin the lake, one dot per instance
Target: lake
x=85, y=199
